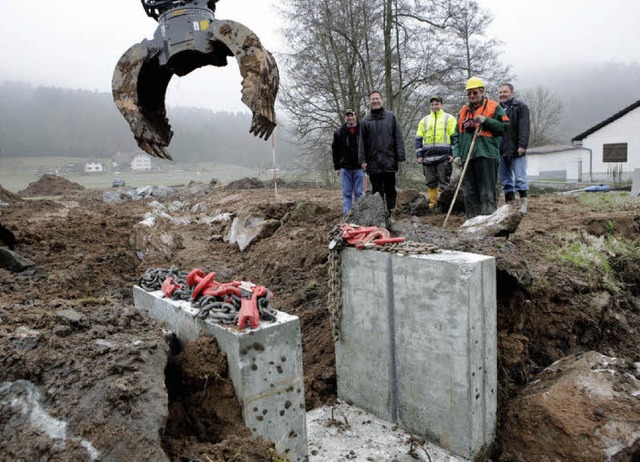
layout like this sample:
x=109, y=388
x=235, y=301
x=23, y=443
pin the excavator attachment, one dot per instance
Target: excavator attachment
x=189, y=37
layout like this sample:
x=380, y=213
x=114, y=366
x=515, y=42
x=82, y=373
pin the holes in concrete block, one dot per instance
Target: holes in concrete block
x=279, y=369
x=265, y=412
x=254, y=367
x=281, y=413
x=283, y=359
x=478, y=396
x=260, y=418
x=244, y=351
x=287, y=404
x=258, y=346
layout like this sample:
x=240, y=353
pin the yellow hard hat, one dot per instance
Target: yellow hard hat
x=474, y=82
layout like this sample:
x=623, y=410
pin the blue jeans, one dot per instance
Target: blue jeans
x=513, y=174
x=352, y=187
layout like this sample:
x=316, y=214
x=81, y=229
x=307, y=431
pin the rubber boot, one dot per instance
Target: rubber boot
x=509, y=197
x=432, y=193
x=523, y=202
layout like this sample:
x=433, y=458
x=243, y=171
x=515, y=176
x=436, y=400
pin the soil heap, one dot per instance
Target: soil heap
x=50, y=185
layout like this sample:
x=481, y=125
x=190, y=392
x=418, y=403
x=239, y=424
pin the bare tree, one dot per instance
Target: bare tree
x=340, y=51
x=547, y=114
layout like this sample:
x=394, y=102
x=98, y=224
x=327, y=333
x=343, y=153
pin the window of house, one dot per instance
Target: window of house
x=614, y=152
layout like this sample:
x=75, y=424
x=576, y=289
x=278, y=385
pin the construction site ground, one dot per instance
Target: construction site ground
x=85, y=262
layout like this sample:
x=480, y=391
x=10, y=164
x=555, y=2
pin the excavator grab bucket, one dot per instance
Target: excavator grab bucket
x=140, y=99
x=189, y=37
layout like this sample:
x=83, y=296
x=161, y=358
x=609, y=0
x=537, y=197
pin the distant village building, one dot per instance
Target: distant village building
x=612, y=147
x=93, y=166
x=556, y=163
x=141, y=162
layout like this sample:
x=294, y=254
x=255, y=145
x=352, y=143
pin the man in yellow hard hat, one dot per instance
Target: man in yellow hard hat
x=485, y=120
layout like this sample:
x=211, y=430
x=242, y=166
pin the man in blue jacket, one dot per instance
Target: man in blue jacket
x=345, y=160
x=380, y=148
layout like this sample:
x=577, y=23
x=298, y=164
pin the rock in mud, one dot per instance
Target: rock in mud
x=369, y=210
x=247, y=228
x=501, y=223
x=583, y=407
x=418, y=207
x=14, y=262
x=155, y=236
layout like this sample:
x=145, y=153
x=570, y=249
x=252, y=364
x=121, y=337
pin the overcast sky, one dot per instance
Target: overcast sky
x=76, y=43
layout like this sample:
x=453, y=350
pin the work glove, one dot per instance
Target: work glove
x=457, y=161
x=480, y=119
x=468, y=124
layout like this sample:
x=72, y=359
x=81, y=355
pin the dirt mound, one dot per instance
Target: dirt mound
x=547, y=308
x=245, y=183
x=50, y=185
x=8, y=196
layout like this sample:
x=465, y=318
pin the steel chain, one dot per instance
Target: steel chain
x=336, y=244
x=211, y=308
x=153, y=278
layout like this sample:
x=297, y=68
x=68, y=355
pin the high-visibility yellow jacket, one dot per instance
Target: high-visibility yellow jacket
x=434, y=133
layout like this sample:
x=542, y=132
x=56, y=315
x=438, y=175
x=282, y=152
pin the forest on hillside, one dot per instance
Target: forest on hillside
x=41, y=121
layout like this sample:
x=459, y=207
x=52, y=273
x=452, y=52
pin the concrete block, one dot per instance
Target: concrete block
x=265, y=366
x=424, y=327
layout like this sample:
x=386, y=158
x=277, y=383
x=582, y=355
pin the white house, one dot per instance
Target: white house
x=555, y=163
x=93, y=166
x=612, y=146
x=141, y=162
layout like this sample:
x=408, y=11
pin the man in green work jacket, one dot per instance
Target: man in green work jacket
x=479, y=184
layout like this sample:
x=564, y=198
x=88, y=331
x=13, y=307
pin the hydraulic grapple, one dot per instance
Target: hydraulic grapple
x=188, y=37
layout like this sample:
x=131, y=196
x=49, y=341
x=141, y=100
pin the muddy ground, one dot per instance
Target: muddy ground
x=84, y=262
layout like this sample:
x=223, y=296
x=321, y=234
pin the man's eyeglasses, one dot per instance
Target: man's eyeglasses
x=473, y=93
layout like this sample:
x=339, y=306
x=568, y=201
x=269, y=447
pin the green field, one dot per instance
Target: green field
x=17, y=173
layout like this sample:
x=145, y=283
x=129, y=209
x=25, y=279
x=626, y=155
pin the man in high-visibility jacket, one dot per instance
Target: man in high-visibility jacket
x=479, y=184
x=433, y=148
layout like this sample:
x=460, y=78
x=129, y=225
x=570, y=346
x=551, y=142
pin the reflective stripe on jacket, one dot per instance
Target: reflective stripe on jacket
x=435, y=131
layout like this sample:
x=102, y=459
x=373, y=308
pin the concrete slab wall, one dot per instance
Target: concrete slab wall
x=265, y=366
x=418, y=344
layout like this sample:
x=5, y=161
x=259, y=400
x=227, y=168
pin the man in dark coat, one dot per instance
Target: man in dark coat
x=513, y=148
x=380, y=148
x=345, y=160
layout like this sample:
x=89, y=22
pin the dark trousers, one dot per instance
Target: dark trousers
x=436, y=174
x=480, y=197
x=385, y=184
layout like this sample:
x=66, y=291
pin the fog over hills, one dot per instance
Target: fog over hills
x=77, y=123
x=37, y=121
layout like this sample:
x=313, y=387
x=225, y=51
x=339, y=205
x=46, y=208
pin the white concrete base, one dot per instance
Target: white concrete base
x=418, y=344
x=265, y=365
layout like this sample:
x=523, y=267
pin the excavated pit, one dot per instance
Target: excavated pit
x=205, y=418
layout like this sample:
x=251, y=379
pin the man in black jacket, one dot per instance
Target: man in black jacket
x=513, y=148
x=345, y=160
x=380, y=149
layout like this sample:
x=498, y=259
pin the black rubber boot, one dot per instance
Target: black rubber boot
x=510, y=197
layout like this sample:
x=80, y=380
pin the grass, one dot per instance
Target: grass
x=17, y=173
x=609, y=201
x=592, y=257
